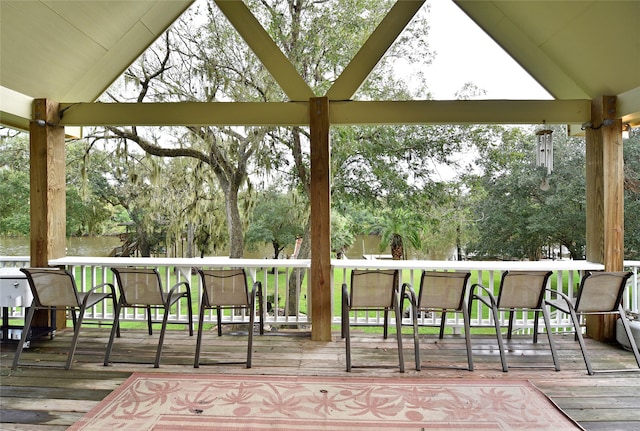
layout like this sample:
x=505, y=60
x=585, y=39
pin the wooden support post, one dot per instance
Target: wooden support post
x=605, y=200
x=47, y=196
x=320, y=220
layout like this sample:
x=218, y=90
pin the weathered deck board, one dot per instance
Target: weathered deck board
x=51, y=399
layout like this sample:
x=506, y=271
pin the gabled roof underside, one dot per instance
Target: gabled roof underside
x=71, y=51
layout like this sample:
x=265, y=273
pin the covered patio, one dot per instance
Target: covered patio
x=58, y=57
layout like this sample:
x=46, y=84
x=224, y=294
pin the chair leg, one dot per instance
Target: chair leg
x=165, y=319
x=416, y=338
x=385, y=333
x=149, y=320
x=347, y=335
x=398, y=314
x=116, y=319
x=580, y=338
x=510, y=328
x=114, y=329
x=190, y=311
x=261, y=312
x=196, y=360
x=536, y=318
x=443, y=321
x=252, y=320
x=503, y=357
x=547, y=325
x=467, y=336
x=74, y=340
x=23, y=337
x=74, y=319
x=627, y=330
x=219, y=314
x=345, y=321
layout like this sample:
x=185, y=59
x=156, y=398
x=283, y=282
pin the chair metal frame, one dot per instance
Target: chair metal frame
x=157, y=299
x=442, y=291
x=66, y=296
x=212, y=298
x=594, y=299
x=376, y=284
x=528, y=289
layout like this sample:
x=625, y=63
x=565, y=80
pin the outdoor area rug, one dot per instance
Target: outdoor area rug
x=153, y=401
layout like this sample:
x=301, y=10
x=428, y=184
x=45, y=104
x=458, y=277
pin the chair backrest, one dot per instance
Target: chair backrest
x=601, y=291
x=440, y=289
x=224, y=287
x=52, y=287
x=373, y=288
x=522, y=289
x=139, y=286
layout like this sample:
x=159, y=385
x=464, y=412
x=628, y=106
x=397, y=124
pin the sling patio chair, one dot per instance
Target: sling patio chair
x=142, y=288
x=56, y=288
x=227, y=289
x=444, y=292
x=519, y=290
x=372, y=290
x=599, y=293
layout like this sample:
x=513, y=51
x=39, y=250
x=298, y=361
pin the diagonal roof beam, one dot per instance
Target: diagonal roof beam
x=265, y=48
x=373, y=49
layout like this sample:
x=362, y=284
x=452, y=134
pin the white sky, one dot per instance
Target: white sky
x=464, y=53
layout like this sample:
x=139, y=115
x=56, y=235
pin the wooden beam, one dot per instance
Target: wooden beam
x=461, y=112
x=48, y=188
x=320, y=220
x=266, y=50
x=342, y=113
x=605, y=199
x=187, y=114
x=373, y=49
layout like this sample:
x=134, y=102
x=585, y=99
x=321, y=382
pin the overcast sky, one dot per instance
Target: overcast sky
x=466, y=54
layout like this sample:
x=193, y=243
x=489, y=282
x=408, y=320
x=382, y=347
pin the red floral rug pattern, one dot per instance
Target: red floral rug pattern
x=152, y=401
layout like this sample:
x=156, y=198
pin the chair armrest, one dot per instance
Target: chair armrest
x=175, y=289
x=557, y=304
x=409, y=293
x=87, y=294
x=472, y=295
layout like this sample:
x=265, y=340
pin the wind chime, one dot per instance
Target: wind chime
x=544, y=154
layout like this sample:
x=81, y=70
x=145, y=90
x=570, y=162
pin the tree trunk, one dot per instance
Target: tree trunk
x=297, y=275
x=234, y=222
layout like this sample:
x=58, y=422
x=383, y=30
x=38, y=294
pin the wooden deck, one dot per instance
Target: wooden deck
x=39, y=398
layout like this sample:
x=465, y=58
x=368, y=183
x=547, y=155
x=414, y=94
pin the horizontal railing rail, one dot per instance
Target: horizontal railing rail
x=287, y=292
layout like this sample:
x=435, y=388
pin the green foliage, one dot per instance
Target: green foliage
x=632, y=196
x=399, y=229
x=278, y=219
x=342, y=236
x=517, y=218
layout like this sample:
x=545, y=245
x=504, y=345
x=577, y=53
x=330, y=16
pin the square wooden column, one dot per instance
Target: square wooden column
x=320, y=220
x=48, y=188
x=605, y=199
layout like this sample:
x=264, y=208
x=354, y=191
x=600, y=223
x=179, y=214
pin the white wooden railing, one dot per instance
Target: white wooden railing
x=89, y=271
